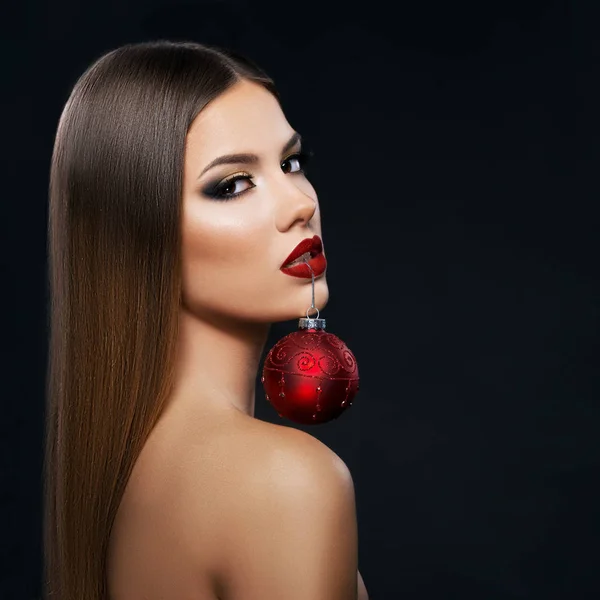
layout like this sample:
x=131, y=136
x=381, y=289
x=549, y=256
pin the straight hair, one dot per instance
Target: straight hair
x=114, y=274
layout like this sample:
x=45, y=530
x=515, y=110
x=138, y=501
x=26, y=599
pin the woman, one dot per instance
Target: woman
x=165, y=262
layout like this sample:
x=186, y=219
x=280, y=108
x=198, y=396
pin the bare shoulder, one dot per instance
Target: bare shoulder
x=293, y=460
x=236, y=509
x=291, y=520
x=271, y=458
x=288, y=454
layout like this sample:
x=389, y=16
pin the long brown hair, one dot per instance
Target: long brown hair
x=115, y=278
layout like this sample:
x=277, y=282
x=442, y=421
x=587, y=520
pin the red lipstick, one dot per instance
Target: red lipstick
x=317, y=261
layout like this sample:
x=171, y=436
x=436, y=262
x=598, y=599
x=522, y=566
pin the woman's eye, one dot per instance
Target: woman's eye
x=230, y=188
x=233, y=187
x=297, y=161
x=293, y=160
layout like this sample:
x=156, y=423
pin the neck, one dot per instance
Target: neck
x=217, y=363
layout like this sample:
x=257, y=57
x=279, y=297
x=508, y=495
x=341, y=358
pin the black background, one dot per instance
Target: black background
x=456, y=157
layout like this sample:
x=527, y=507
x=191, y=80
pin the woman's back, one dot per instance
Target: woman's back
x=164, y=541
x=228, y=506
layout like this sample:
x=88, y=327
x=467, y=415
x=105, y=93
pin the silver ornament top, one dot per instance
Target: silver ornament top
x=308, y=323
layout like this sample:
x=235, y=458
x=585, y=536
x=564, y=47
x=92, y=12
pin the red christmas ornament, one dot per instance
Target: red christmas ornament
x=310, y=376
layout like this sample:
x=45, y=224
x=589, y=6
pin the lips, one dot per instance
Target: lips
x=314, y=247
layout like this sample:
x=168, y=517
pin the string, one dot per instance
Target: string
x=312, y=304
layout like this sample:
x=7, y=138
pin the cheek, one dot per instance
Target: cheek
x=223, y=251
x=220, y=233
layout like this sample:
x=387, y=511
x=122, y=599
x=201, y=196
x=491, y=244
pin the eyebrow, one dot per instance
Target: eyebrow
x=248, y=159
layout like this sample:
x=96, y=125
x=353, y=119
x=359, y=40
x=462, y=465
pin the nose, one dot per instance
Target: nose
x=295, y=206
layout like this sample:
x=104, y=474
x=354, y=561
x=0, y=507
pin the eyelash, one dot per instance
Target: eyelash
x=216, y=193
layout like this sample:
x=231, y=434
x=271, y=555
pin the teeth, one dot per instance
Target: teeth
x=299, y=260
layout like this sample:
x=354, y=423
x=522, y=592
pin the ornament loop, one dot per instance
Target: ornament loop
x=309, y=308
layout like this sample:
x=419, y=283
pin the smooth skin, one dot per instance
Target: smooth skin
x=221, y=505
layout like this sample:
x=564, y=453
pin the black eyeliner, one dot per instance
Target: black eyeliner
x=214, y=189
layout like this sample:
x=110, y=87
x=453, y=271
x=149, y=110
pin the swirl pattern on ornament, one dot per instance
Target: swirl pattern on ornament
x=331, y=365
x=306, y=361
x=329, y=360
x=350, y=360
x=336, y=342
x=308, y=341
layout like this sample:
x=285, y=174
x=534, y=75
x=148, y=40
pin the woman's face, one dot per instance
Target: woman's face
x=233, y=248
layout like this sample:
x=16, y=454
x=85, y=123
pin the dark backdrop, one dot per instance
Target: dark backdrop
x=456, y=151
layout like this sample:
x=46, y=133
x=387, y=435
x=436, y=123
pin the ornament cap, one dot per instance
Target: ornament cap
x=308, y=323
